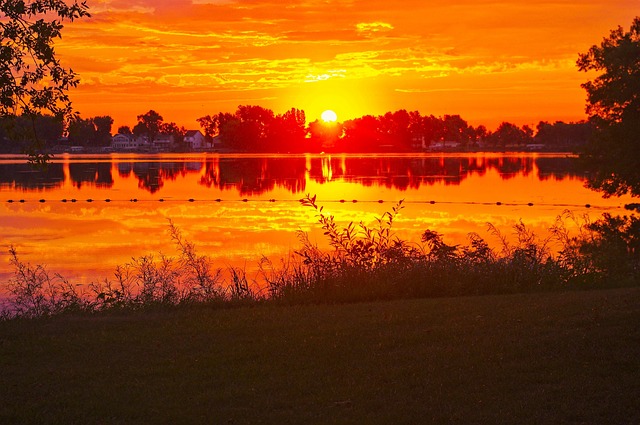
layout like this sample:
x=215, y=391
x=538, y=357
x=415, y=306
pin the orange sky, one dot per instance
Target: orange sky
x=487, y=60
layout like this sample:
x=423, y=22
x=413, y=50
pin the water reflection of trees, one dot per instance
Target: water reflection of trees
x=561, y=168
x=94, y=175
x=252, y=176
x=255, y=176
x=410, y=173
x=24, y=177
x=152, y=175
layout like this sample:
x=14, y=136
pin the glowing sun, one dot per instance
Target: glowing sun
x=329, y=116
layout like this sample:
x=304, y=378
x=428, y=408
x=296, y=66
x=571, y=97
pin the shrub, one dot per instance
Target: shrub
x=35, y=292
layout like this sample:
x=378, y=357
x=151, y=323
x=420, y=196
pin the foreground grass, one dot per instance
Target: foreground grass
x=571, y=357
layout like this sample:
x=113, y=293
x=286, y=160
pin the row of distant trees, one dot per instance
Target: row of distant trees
x=258, y=129
x=96, y=131
x=17, y=132
x=253, y=128
x=151, y=125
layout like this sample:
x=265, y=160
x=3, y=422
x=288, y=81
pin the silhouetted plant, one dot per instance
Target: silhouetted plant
x=239, y=288
x=577, y=267
x=143, y=281
x=37, y=293
x=292, y=278
x=360, y=246
x=360, y=254
x=613, y=249
x=376, y=264
x=200, y=279
x=146, y=281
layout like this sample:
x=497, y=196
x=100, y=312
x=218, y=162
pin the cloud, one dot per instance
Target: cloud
x=372, y=28
x=213, y=1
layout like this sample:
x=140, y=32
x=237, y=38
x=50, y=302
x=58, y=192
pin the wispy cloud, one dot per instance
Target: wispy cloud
x=373, y=28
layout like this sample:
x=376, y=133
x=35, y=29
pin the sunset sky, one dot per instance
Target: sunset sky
x=489, y=61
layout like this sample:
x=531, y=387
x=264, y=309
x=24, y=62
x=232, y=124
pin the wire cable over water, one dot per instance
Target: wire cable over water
x=337, y=201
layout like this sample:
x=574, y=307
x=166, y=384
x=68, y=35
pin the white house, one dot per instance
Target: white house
x=126, y=142
x=195, y=140
x=444, y=145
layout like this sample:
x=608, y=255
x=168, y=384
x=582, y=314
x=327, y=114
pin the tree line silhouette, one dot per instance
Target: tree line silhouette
x=256, y=129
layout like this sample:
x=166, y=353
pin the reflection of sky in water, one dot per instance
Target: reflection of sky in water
x=86, y=240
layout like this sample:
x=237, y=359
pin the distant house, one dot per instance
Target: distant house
x=195, y=140
x=444, y=145
x=419, y=143
x=163, y=143
x=535, y=147
x=125, y=142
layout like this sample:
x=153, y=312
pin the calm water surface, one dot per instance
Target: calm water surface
x=239, y=208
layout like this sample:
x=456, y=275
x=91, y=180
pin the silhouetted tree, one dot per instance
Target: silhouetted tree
x=395, y=130
x=455, y=128
x=613, y=105
x=177, y=133
x=561, y=135
x=434, y=130
x=210, y=126
x=528, y=135
x=224, y=121
x=252, y=128
x=150, y=125
x=125, y=129
x=481, y=133
x=94, y=131
x=32, y=79
x=246, y=130
x=510, y=134
x=103, y=130
x=82, y=132
x=139, y=130
x=360, y=134
x=286, y=132
x=416, y=129
x=47, y=128
x=325, y=135
x=18, y=133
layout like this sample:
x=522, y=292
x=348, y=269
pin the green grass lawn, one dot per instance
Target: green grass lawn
x=553, y=358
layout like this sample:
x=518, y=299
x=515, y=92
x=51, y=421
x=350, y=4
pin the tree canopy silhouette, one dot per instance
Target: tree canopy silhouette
x=613, y=105
x=32, y=79
x=257, y=129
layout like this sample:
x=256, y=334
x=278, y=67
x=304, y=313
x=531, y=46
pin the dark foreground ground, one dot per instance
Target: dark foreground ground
x=558, y=358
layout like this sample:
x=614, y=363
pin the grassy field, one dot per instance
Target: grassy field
x=561, y=358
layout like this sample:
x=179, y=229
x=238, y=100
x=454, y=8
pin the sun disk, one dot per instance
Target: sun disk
x=329, y=116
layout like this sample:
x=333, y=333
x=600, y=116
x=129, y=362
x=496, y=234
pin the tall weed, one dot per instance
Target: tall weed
x=35, y=292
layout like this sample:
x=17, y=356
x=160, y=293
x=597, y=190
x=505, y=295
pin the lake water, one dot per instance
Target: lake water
x=87, y=214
